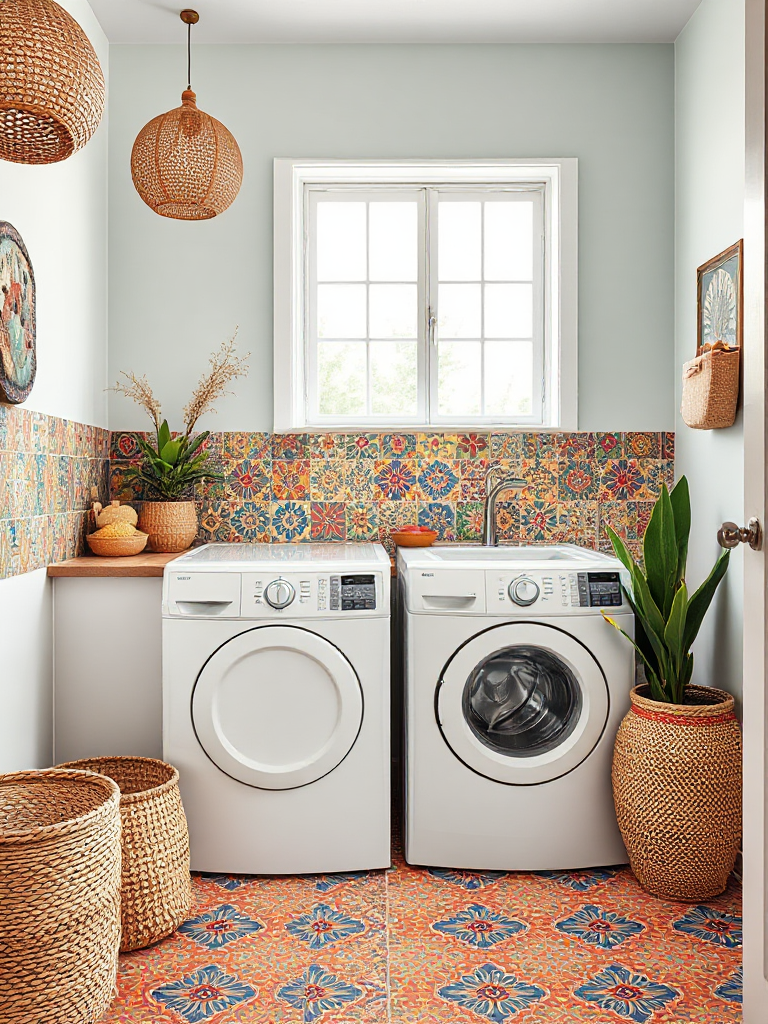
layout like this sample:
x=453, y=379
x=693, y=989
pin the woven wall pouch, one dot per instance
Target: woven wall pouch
x=711, y=387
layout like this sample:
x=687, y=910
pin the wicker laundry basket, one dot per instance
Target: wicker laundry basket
x=59, y=896
x=677, y=790
x=156, y=887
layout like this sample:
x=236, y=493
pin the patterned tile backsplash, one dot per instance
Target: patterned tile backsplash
x=48, y=467
x=335, y=487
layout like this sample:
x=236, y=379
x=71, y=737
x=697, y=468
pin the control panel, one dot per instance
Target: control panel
x=542, y=592
x=595, y=589
x=265, y=595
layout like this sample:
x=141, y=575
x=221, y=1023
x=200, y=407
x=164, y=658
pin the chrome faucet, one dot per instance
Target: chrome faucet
x=492, y=492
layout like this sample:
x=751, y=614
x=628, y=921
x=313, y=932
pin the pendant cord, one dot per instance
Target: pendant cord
x=189, y=56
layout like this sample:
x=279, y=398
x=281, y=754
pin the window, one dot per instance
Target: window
x=431, y=295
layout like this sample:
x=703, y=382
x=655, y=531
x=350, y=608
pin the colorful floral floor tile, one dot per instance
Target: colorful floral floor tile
x=416, y=946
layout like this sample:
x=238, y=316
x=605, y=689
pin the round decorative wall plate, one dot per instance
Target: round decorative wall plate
x=18, y=358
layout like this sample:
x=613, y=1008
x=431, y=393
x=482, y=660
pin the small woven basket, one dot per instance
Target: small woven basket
x=156, y=884
x=59, y=896
x=677, y=790
x=711, y=389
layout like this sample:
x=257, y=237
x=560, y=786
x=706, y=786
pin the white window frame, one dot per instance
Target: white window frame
x=558, y=178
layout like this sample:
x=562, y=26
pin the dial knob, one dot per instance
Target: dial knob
x=523, y=590
x=279, y=593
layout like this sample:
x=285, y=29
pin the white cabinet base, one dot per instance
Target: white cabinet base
x=107, y=667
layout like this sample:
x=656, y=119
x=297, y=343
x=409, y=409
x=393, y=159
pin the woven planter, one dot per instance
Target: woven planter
x=156, y=884
x=171, y=525
x=59, y=896
x=677, y=790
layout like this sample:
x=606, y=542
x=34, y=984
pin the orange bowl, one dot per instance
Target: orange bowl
x=411, y=539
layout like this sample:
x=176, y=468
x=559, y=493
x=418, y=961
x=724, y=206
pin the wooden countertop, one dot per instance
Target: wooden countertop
x=145, y=564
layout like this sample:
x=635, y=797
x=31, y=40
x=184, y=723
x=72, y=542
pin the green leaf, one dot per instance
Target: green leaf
x=681, y=508
x=650, y=672
x=660, y=553
x=647, y=607
x=702, y=599
x=674, y=632
x=163, y=435
x=192, y=446
x=170, y=452
x=622, y=551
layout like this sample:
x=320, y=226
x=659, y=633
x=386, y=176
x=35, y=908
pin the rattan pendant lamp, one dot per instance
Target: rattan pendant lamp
x=185, y=164
x=51, y=83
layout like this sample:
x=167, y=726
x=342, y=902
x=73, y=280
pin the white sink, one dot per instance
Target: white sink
x=528, y=553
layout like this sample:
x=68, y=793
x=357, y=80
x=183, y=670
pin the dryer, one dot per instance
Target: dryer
x=276, y=705
x=515, y=687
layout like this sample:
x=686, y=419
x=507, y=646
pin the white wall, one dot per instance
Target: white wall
x=60, y=211
x=709, y=161
x=177, y=288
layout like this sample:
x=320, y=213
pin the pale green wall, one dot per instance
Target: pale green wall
x=709, y=112
x=176, y=289
x=60, y=210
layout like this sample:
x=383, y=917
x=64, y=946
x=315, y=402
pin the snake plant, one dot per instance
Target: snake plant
x=667, y=616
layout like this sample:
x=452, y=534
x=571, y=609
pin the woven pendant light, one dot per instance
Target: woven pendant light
x=51, y=83
x=185, y=164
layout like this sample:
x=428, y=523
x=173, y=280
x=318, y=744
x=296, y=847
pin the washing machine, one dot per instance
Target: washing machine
x=515, y=686
x=276, y=705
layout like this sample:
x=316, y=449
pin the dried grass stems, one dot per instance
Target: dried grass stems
x=138, y=389
x=225, y=366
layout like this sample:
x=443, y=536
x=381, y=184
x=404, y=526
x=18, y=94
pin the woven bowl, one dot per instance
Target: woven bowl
x=410, y=539
x=117, y=546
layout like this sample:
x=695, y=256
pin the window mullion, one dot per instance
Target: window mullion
x=431, y=275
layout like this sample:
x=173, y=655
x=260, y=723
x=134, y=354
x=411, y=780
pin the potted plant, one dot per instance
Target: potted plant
x=677, y=758
x=172, y=464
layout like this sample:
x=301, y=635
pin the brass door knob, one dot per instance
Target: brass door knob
x=730, y=535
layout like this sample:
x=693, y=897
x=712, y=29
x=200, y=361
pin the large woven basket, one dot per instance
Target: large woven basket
x=59, y=896
x=156, y=884
x=677, y=790
x=711, y=390
x=171, y=525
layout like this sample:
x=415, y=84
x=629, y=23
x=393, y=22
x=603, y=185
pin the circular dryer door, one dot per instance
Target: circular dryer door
x=277, y=707
x=522, y=703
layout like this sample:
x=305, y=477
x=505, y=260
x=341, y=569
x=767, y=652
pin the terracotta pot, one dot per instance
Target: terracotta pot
x=677, y=790
x=171, y=525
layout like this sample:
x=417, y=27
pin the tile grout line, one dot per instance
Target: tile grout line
x=388, y=983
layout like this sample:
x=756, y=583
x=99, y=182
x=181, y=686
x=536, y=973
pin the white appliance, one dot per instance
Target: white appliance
x=276, y=705
x=515, y=687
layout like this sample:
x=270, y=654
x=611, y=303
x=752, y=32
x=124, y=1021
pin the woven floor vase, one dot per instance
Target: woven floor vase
x=677, y=790
x=156, y=884
x=171, y=525
x=59, y=896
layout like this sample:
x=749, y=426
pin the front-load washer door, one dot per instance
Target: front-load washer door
x=277, y=707
x=522, y=703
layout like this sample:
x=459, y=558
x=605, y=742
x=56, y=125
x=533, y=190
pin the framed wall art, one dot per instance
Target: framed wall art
x=721, y=299
x=18, y=358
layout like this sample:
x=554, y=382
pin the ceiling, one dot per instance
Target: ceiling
x=397, y=21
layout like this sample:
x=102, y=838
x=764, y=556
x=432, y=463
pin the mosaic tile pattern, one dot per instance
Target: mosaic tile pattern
x=336, y=487
x=48, y=470
x=438, y=947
